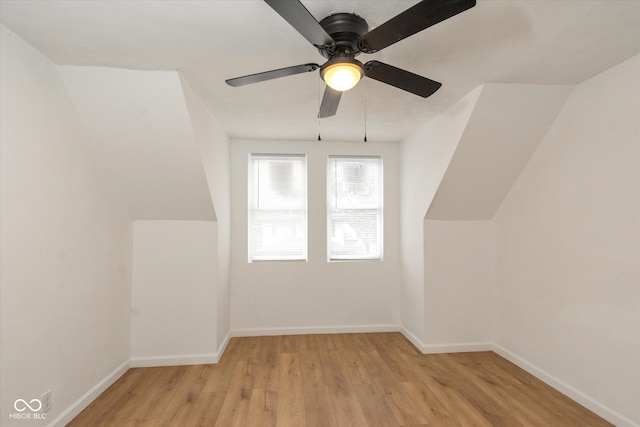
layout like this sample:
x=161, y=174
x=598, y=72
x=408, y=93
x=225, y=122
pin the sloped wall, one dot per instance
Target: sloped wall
x=169, y=159
x=549, y=275
x=506, y=125
x=568, y=249
x=140, y=126
x=214, y=149
x=425, y=156
x=65, y=251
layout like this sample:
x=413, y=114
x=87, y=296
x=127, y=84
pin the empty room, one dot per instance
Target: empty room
x=320, y=213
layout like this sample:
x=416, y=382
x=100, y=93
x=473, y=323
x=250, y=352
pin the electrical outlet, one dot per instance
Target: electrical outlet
x=45, y=399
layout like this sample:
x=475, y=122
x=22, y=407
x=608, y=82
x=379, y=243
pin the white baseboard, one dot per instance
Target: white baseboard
x=564, y=388
x=258, y=332
x=445, y=348
x=76, y=407
x=174, y=360
x=181, y=359
x=414, y=340
x=223, y=347
x=457, y=347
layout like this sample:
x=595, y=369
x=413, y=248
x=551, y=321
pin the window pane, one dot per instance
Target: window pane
x=281, y=183
x=354, y=234
x=277, y=207
x=354, y=203
x=354, y=183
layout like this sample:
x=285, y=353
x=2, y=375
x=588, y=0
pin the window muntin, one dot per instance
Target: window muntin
x=354, y=208
x=277, y=207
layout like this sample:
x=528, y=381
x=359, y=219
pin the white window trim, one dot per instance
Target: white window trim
x=380, y=215
x=250, y=209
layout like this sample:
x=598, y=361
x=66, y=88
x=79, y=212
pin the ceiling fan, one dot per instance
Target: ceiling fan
x=342, y=36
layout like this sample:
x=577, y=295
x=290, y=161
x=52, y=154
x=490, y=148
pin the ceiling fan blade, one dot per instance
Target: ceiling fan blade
x=301, y=19
x=273, y=74
x=330, y=101
x=402, y=79
x=411, y=21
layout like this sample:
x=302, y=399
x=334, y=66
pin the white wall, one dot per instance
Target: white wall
x=507, y=125
x=140, y=126
x=214, y=149
x=174, y=295
x=458, y=285
x=425, y=156
x=568, y=249
x=269, y=297
x=65, y=251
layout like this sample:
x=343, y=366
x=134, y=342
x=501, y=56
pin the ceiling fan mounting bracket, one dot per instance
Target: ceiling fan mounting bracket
x=345, y=29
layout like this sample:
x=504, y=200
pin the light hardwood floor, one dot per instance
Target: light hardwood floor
x=341, y=380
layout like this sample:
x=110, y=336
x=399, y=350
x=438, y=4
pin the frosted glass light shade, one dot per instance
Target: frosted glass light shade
x=342, y=76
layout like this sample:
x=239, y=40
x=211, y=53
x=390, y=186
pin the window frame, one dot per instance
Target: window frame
x=251, y=209
x=379, y=210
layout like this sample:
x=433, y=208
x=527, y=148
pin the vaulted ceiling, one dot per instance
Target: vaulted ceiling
x=498, y=41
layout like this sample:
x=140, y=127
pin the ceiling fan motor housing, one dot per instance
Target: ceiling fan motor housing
x=345, y=29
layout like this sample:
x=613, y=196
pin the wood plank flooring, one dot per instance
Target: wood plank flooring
x=340, y=380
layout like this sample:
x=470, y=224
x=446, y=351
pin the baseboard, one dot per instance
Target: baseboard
x=445, y=348
x=413, y=339
x=223, y=347
x=457, y=347
x=564, y=388
x=75, y=408
x=258, y=332
x=174, y=360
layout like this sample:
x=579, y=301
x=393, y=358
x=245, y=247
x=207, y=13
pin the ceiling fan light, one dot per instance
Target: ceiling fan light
x=343, y=75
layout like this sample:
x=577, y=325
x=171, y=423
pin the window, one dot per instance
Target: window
x=354, y=208
x=277, y=207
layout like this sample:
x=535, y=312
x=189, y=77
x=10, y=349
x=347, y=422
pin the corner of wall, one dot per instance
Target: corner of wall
x=213, y=144
x=424, y=157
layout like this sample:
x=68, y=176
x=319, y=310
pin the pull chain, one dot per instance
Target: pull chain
x=365, y=109
x=319, y=105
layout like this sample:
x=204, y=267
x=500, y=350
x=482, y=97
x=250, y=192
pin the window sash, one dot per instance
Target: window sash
x=354, y=208
x=277, y=207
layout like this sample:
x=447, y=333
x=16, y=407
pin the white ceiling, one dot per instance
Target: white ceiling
x=498, y=41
